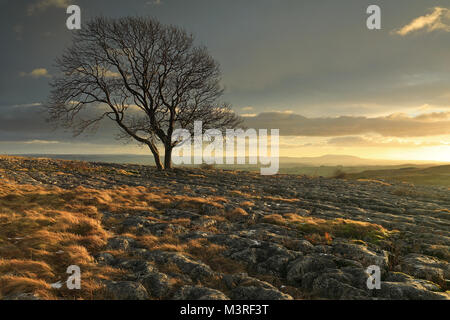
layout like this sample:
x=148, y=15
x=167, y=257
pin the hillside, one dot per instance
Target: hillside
x=137, y=233
x=437, y=175
x=325, y=166
x=285, y=162
x=350, y=161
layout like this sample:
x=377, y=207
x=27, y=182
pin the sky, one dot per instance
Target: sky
x=310, y=68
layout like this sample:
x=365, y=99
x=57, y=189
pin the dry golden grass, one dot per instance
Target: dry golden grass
x=25, y=268
x=375, y=181
x=167, y=242
x=327, y=229
x=212, y=254
x=280, y=199
x=79, y=166
x=316, y=238
x=236, y=214
x=195, y=203
x=44, y=230
x=198, y=249
x=247, y=204
x=16, y=284
x=243, y=194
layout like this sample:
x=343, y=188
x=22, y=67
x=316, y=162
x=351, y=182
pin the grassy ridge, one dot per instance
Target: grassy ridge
x=439, y=175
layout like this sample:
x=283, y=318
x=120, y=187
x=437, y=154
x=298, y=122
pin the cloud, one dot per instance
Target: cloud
x=43, y=5
x=36, y=73
x=40, y=142
x=434, y=116
x=103, y=72
x=394, y=125
x=353, y=141
x=27, y=105
x=111, y=74
x=27, y=122
x=438, y=19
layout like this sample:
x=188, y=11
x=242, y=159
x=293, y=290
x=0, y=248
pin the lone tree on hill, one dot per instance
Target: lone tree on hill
x=148, y=77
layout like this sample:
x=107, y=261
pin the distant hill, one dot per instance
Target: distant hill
x=326, y=166
x=438, y=175
x=346, y=160
x=285, y=162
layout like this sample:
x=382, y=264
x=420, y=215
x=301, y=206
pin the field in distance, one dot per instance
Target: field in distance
x=436, y=175
x=339, y=166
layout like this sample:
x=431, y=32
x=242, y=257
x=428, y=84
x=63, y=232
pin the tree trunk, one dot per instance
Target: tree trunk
x=168, y=157
x=158, y=161
x=156, y=157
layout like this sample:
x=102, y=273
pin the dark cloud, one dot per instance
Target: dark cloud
x=396, y=125
x=25, y=123
x=28, y=122
x=313, y=55
x=316, y=58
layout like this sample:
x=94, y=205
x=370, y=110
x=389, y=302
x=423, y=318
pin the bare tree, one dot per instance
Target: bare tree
x=148, y=77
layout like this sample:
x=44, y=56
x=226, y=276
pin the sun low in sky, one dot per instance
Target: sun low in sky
x=309, y=68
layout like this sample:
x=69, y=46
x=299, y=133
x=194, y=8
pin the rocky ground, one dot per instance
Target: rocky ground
x=218, y=234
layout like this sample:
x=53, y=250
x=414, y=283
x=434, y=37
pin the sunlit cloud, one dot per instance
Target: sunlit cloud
x=434, y=116
x=40, y=142
x=36, y=73
x=438, y=19
x=394, y=125
x=358, y=141
x=27, y=105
